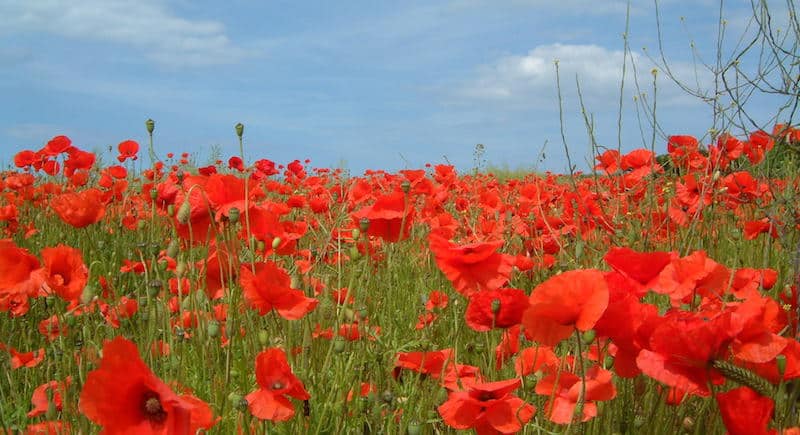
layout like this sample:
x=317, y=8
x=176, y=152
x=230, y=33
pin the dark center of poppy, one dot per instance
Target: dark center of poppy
x=486, y=395
x=151, y=407
x=277, y=385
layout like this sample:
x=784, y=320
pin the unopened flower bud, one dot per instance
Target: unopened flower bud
x=588, y=336
x=338, y=345
x=406, y=186
x=780, y=361
x=356, y=233
x=173, y=248
x=495, y=306
x=276, y=242
x=88, y=294
x=184, y=212
x=151, y=125
x=363, y=224
x=263, y=337
x=153, y=194
x=213, y=329
x=239, y=130
x=233, y=215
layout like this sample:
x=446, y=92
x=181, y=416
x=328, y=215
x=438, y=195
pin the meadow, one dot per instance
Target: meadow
x=654, y=294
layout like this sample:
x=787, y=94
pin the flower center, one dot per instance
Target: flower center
x=277, y=385
x=151, y=407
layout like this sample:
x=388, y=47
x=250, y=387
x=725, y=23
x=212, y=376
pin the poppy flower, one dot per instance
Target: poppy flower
x=489, y=408
x=25, y=359
x=568, y=301
x=641, y=267
x=565, y=389
x=24, y=159
x=80, y=209
x=17, y=277
x=472, y=267
x=440, y=365
x=683, y=345
x=128, y=150
x=745, y=412
x=123, y=396
x=56, y=146
x=276, y=381
x=64, y=272
x=390, y=217
x=40, y=400
x=270, y=288
x=533, y=359
x=501, y=308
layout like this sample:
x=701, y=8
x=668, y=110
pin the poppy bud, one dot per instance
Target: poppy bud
x=338, y=345
x=213, y=329
x=608, y=362
x=406, y=186
x=154, y=288
x=353, y=253
x=349, y=315
x=780, y=361
x=588, y=336
x=387, y=397
x=88, y=294
x=150, y=125
x=414, y=428
x=294, y=282
x=242, y=405
x=363, y=224
x=171, y=209
x=153, y=194
x=356, y=233
x=239, y=129
x=263, y=337
x=234, y=398
x=233, y=215
x=495, y=306
x=173, y=248
x=362, y=312
x=276, y=242
x=688, y=423
x=180, y=268
x=184, y=212
x=234, y=373
x=140, y=225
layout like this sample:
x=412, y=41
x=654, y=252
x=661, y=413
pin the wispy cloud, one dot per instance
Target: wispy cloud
x=147, y=25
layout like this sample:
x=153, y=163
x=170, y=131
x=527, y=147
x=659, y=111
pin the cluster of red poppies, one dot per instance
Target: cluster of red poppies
x=686, y=321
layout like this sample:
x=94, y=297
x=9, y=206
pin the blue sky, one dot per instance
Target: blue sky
x=365, y=84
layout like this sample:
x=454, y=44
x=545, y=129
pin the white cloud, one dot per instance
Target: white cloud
x=531, y=78
x=146, y=25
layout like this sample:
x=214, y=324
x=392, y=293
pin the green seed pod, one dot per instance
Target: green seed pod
x=140, y=225
x=153, y=194
x=243, y=405
x=154, y=288
x=234, y=373
x=239, y=130
x=150, y=125
x=588, y=336
x=276, y=242
x=387, y=397
x=213, y=329
x=406, y=186
x=353, y=253
x=356, y=233
x=495, y=306
x=171, y=209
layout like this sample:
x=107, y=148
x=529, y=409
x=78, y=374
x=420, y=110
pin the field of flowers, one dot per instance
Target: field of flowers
x=656, y=294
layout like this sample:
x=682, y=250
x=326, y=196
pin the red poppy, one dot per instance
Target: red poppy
x=472, y=267
x=390, y=217
x=52, y=328
x=568, y=301
x=25, y=359
x=694, y=274
x=683, y=345
x=752, y=229
x=24, y=159
x=270, y=288
x=489, y=408
x=501, y=308
x=641, y=267
x=533, y=359
x=40, y=400
x=56, y=146
x=17, y=278
x=276, y=381
x=123, y=396
x=436, y=300
x=128, y=150
x=745, y=412
x=65, y=273
x=565, y=389
x=80, y=209
x=609, y=161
